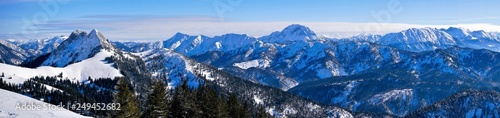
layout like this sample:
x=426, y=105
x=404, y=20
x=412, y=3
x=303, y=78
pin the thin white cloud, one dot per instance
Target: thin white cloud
x=456, y=21
x=480, y=26
x=163, y=28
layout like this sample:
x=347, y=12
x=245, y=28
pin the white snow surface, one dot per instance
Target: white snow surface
x=9, y=100
x=257, y=100
x=94, y=67
x=258, y=63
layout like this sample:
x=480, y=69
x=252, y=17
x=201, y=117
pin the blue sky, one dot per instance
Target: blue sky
x=131, y=20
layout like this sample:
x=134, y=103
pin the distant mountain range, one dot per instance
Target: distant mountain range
x=396, y=74
x=15, y=51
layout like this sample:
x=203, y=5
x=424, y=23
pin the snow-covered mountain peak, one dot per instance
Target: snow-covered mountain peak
x=418, y=39
x=94, y=31
x=80, y=45
x=95, y=34
x=294, y=32
x=425, y=29
x=482, y=34
x=420, y=35
x=233, y=36
x=457, y=32
x=179, y=35
x=77, y=32
x=297, y=29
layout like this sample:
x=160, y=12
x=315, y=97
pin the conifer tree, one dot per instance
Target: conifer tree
x=129, y=107
x=234, y=107
x=262, y=113
x=200, y=101
x=217, y=105
x=245, y=111
x=156, y=105
x=182, y=103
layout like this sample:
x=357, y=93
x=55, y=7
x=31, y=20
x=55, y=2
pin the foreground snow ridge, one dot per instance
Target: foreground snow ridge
x=95, y=67
x=9, y=100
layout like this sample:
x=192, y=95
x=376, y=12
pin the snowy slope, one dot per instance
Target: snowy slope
x=95, y=67
x=253, y=64
x=8, y=101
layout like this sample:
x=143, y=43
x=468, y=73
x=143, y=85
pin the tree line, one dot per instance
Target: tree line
x=181, y=102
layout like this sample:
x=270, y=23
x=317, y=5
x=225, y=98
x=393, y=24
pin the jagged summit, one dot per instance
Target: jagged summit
x=418, y=39
x=78, y=31
x=195, y=44
x=80, y=45
x=416, y=35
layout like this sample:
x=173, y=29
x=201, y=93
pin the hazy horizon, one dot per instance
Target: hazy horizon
x=160, y=19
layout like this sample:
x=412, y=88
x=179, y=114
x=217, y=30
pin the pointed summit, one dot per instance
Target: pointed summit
x=96, y=34
x=180, y=34
x=79, y=46
x=94, y=31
